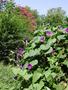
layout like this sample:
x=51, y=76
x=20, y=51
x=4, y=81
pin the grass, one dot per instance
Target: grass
x=7, y=81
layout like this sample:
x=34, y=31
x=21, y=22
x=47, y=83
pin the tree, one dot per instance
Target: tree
x=38, y=18
x=2, y=4
x=29, y=16
x=55, y=16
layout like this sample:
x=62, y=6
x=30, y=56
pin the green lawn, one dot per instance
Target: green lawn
x=7, y=81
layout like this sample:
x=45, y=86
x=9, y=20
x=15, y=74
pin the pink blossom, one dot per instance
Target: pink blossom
x=29, y=66
x=42, y=39
x=66, y=30
x=49, y=33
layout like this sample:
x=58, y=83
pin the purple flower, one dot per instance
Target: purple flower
x=20, y=51
x=29, y=66
x=49, y=33
x=66, y=30
x=42, y=39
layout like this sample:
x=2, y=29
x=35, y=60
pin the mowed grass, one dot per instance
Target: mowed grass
x=7, y=81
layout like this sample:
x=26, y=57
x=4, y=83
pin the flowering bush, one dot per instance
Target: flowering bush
x=24, y=11
x=45, y=61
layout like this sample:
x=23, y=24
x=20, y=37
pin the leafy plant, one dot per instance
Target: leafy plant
x=45, y=61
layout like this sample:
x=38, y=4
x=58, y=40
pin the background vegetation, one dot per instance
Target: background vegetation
x=34, y=48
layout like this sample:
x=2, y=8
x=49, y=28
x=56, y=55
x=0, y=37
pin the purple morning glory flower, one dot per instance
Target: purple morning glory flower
x=20, y=51
x=29, y=66
x=42, y=39
x=66, y=30
x=49, y=33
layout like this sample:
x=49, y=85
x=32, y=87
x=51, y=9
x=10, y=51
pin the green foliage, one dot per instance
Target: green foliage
x=44, y=64
x=7, y=81
x=14, y=27
x=55, y=16
x=38, y=18
x=48, y=60
x=65, y=24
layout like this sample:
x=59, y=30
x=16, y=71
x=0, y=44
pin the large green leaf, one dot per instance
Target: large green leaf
x=61, y=37
x=36, y=76
x=65, y=63
x=52, y=60
x=36, y=39
x=59, y=87
x=47, y=73
x=34, y=62
x=48, y=76
x=47, y=88
x=44, y=47
x=51, y=41
x=49, y=51
x=27, y=76
x=23, y=73
x=34, y=52
x=33, y=45
x=26, y=55
x=37, y=86
x=18, y=71
x=41, y=85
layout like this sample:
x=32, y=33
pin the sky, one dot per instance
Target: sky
x=43, y=5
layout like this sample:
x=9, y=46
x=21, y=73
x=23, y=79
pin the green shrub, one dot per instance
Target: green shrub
x=55, y=16
x=14, y=27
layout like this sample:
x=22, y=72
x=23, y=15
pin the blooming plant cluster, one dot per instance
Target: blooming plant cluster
x=45, y=61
